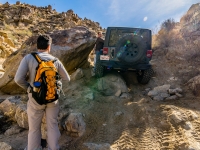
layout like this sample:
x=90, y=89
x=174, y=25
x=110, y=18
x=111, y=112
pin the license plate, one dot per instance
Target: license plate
x=103, y=57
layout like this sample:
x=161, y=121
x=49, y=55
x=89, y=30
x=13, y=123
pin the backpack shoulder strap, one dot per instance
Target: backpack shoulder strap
x=34, y=54
x=55, y=59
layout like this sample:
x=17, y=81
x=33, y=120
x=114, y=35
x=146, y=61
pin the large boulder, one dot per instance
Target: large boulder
x=112, y=84
x=71, y=46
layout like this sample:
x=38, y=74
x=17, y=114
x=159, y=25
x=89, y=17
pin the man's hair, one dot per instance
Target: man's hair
x=43, y=41
x=98, y=32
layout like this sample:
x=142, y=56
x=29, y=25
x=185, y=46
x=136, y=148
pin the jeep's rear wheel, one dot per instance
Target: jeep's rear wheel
x=144, y=76
x=99, y=69
x=131, y=48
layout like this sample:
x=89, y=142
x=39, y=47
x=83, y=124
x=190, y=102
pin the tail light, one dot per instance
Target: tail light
x=149, y=53
x=105, y=50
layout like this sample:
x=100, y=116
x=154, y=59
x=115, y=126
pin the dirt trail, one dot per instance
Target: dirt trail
x=140, y=123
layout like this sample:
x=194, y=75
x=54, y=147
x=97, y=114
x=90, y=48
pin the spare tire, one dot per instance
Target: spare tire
x=130, y=49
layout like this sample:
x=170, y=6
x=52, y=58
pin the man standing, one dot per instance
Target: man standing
x=36, y=111
x=98, y=46
x=99, y=42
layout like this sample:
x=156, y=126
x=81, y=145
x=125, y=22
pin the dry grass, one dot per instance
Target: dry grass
x=13, y=31
x=182, y=52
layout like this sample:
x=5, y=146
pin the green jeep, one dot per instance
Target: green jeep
x=126, y=49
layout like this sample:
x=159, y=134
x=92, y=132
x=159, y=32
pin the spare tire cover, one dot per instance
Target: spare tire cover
x=130, y=48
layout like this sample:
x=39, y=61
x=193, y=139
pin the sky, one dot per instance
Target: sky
x=125, y=13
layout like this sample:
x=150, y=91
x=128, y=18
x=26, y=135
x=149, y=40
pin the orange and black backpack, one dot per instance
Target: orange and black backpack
x=47, y=84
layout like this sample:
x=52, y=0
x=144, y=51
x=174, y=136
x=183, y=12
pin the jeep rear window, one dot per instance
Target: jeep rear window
x=117, y=34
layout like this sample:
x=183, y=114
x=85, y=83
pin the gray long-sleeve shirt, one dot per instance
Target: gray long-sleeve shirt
x=28, y=66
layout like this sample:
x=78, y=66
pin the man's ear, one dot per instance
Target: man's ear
x=49, y=48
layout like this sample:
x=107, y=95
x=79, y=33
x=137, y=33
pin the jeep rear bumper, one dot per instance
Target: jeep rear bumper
x=119, y=66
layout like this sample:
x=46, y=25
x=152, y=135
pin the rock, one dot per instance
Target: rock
x=152, y=93
x=20, y=15
x=5, y=146
x=158, y=98
x=179, y=95
x=6, y=5
x=118, y=93
x=164, y=95
x=110, y=84
x=26, y=11
x=125, y=96
x=147, y=89
x=194, y=85
x=173, y=97
x=26, y=19
x=176, y=117
x=186, y=21
x=21, y=116
x=192, y=115
x=9, y=106
x=75, y=125
x=13, y=130
x=71, y=54
x=162, y=89
x=94, y=146
x=1, y=40
x=18, y=2
x=2, y=117
x=49, y=7
x=119, y=113
x=173, y=91
x=89, y=96
x=143, y=100
x=78, y=74
x=188, y=126
x=179, y=90
x=164, y=124
x=4, y=34
x=9, y=42
x=160, y=92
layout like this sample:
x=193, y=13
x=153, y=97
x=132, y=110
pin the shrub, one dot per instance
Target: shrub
x=168, y=25
x=167, y=35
